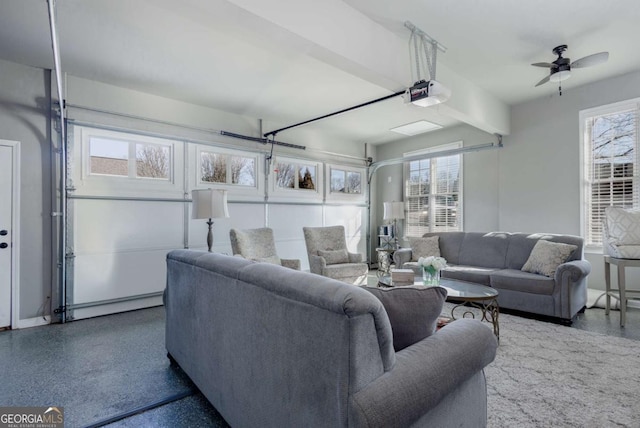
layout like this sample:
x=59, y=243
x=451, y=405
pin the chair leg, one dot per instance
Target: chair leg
x=607, y=282
x=622, y=292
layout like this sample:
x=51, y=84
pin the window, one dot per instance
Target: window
x=105, y=162
x=227, y=169
x=610, y=163
x=344, y=181
x=433, y=186
x=131, y=159
x=296, y=176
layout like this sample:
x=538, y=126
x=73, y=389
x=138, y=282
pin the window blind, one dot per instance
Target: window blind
x=611, y=164
x=433, y=199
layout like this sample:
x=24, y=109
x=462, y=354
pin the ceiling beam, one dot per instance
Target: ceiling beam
x=337, y=34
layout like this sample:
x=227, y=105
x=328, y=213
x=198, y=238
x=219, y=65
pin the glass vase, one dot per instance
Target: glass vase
x=430, y=277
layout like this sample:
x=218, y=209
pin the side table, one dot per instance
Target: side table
x=385, y=261
x=622, y=293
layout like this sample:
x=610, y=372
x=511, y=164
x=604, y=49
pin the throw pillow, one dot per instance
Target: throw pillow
x=413, y=312
x=623, y=226
x=546, y=256
x=275, y=260
x=334, y=257
x=424, y=247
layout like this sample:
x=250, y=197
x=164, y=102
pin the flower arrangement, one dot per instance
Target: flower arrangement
x=431, y=267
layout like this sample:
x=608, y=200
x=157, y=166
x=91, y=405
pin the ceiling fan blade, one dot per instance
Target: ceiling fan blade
x=590, y=60
x=543, y=64
x=543, y=81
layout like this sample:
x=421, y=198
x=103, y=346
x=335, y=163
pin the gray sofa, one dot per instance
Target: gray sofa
x=496, y=259
x=273, y=347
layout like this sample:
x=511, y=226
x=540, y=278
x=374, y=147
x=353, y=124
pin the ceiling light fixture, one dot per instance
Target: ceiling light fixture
x=416, y=128
x=559, y=76
x=425, y=93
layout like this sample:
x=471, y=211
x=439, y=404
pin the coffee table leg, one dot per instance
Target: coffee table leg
x=490, y=313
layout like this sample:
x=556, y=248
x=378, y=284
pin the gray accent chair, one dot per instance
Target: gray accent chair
x=258, y=245
x=322, y=242
x=495, y=259
x=275, y=347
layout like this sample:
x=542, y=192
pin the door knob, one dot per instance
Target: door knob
x=3, y=232
x=4, y=245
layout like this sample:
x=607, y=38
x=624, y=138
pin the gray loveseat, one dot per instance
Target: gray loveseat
x=273, y=347
x=496, y=259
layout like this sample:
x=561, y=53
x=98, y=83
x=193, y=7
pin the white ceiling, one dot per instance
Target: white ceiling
x=286, y=61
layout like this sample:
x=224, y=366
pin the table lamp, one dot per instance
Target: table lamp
x=394, y=211
x=210, y=204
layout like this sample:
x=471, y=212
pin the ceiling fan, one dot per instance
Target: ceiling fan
x=560, y=69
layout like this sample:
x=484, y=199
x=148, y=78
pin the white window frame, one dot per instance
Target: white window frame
x=229, y=154
x=591, y=229
x=85, y=182
x=296, y=193
x=433, y=194
x=342, y=196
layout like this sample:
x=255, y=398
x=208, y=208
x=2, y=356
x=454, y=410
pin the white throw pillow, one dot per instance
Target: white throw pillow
x=424, y=247
x=546, y=256
x=623, y=226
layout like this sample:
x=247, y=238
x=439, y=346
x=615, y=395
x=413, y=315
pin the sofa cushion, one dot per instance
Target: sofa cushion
x=424, y=247
x=413, y=311
x=476, y=274
x=547, y=256
x=450, y=244
x=623, y=226
x=517, y=280
x=521, y=245
x=484, y=249
x=334, y=257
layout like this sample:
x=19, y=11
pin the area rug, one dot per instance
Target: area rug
x=549, y=375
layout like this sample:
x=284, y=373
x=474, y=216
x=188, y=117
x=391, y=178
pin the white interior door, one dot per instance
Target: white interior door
x=6, y=210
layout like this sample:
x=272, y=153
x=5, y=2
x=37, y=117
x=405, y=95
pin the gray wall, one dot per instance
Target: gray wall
x=480, y=174
x=539, y=168
x=24, y=117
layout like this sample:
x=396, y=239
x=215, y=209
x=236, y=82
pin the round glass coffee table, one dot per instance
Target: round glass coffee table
x=464, y=294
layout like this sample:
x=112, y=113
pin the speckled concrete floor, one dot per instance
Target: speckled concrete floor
x=98, y=369
x=102, y=368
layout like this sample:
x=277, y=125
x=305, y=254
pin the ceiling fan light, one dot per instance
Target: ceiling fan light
x=559, y=76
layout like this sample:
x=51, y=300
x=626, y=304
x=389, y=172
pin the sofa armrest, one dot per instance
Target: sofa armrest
x=424, y=373
x=401, y=256
x=355, y=258
x=291, y=263
x=317, y=264
x=576, y=269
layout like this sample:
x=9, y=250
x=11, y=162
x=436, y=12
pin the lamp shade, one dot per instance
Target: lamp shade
x=209, y=203
x=393, y=210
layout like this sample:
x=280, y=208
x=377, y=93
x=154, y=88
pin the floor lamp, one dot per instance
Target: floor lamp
x=209, y=203
x=394, y=211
